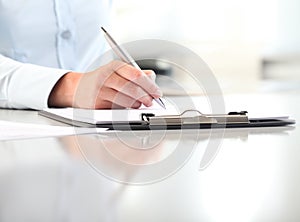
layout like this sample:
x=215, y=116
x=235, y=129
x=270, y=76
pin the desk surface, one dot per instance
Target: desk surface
x=192, y=175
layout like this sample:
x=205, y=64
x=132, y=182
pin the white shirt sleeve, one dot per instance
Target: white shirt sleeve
x=24, y=85
x=63, y=35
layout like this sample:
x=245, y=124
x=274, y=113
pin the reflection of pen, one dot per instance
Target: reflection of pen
x=123, y=54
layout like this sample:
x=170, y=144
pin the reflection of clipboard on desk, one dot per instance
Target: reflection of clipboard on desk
x=130, y=119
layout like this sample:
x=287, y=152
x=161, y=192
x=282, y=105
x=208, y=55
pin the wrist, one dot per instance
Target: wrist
x=63, y=93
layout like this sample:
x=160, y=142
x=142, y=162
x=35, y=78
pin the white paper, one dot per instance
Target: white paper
x=15, y=130
x=116, y=115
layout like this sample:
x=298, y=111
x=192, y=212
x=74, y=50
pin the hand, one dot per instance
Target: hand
x=115, y=85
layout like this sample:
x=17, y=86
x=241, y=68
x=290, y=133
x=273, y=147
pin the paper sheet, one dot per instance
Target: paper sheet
x=15, y=130
x=116, y=115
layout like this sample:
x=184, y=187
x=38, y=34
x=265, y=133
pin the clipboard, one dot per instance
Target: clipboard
x=189, y=119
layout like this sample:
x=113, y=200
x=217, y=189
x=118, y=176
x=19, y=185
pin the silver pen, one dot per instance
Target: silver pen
x=125, y=57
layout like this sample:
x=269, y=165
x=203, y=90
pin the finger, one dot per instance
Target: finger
x=151, y=74
x=138, y=77
x=128, y=88
x=113, y=98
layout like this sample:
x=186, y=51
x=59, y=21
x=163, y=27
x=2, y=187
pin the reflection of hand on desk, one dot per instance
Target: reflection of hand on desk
x=40, y=175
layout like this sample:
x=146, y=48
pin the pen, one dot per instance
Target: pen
x=123, y=54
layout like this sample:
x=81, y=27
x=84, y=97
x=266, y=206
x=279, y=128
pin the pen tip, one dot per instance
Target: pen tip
x=162, y=103
x=103, y=29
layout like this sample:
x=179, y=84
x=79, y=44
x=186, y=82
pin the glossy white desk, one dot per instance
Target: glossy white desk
x=252, y=176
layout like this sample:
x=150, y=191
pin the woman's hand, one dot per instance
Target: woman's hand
x=115, y=85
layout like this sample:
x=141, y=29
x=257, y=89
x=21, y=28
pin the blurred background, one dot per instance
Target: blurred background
x=248, y=44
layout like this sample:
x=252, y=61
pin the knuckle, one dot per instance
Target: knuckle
x=152, y=75
x=116, y=65
x=149, y=72
x=136, y=73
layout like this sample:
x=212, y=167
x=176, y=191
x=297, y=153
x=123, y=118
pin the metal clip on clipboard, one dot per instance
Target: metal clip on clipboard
x=195, y=117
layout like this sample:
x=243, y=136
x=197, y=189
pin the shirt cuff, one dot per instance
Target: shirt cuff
x=31, y=86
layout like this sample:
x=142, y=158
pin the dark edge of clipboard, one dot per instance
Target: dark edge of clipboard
x=252, y=123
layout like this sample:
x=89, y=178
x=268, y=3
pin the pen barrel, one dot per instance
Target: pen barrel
x=125, y=57
x=120, y=52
